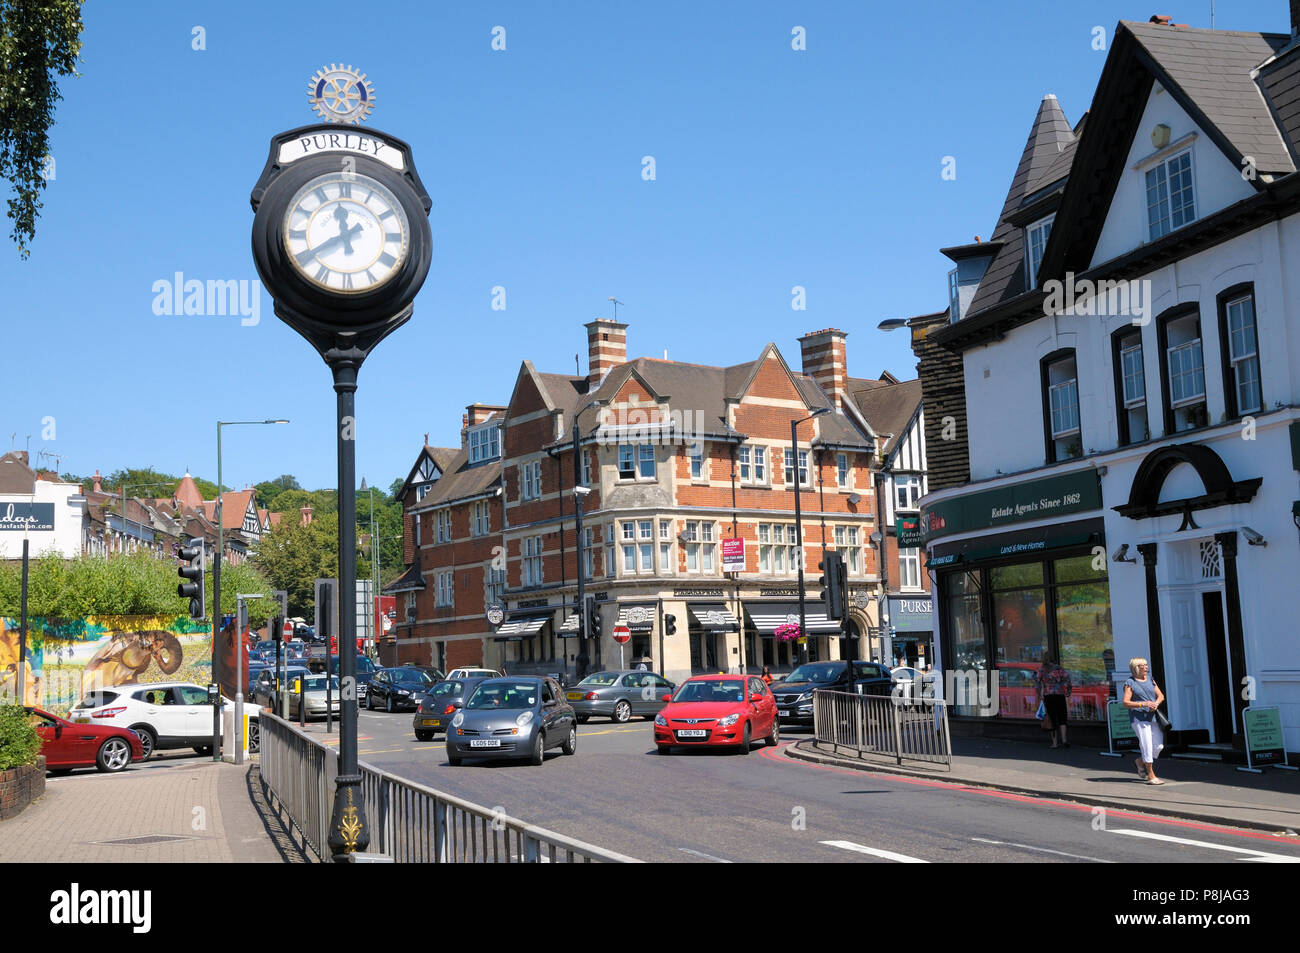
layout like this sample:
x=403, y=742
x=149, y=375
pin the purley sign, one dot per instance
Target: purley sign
x=26, y=516
x=1018, y=503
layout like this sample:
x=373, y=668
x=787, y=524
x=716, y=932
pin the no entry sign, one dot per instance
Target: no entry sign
x=287, y=630
x=622, y=634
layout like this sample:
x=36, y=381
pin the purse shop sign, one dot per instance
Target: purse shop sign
x=17, y=517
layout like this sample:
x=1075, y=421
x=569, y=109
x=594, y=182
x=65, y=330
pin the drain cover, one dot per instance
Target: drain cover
x=144, y=839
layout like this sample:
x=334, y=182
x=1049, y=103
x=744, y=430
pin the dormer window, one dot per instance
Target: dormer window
x=485, y=443
x=1035, y=242
x=954, y=297
x=1170, y=202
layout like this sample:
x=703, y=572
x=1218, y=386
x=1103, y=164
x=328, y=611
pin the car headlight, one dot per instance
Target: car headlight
x=806, y=696
x=661, y=721
x=728, y=721
x=458, y=720
x=525, y=718
x=403, y=691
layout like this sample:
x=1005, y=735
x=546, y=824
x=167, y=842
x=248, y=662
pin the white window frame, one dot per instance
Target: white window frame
x=645, y=454
x=700, y=541
x=1236, y=361
x=530, y=480
x=954, y=296
x=1163, y=225
x=801, y=456
x=1035, y=246
x=666, y=562
x=1132, y=399
x=778, y=549
x=485, y=443
x=909, y=568
x=494, y=584
x=843, y=473
x=586, y=467
x=610, y=567
x=532, y=561
x=1196, y=354
x=1063, y=404
x=695, y=454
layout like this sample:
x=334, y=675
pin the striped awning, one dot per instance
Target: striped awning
x=521, y=628
x=766, y=616
x=569, y=627
x=637, y=618
x=714, y=617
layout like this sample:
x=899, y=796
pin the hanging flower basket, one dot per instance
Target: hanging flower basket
x=788, y=632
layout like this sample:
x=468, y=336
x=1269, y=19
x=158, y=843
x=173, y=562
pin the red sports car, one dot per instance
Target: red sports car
x=67, y=746
x=728, y=710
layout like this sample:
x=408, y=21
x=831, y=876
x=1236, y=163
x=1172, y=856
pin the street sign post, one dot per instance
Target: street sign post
x=287, y=630
x=622, y=635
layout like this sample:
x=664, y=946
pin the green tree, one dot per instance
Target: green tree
x=40, y=40
x=270, y=489
x=294, y=556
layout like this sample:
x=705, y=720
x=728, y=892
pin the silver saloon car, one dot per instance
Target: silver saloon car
x=619, y=695
x=512, y=718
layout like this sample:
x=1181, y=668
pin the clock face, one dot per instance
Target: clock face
x=346, y=233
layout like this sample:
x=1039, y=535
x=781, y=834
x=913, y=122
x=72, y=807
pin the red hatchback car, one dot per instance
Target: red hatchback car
x=728, y=710
x=67, y=746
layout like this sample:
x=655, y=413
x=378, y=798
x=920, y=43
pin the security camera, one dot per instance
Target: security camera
x=582, y=490
x=1121, y=555
x=1252, y=537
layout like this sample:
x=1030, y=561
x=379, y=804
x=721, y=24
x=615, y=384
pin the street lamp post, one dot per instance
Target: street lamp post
x=216, y=581
x=580, y=492
x=798, y=523
x=371, y=627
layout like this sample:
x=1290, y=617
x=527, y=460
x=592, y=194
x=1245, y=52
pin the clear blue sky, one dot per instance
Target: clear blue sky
x=775, y=168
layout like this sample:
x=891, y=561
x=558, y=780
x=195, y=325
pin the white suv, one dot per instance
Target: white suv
x=163, y=714
x=471, y=673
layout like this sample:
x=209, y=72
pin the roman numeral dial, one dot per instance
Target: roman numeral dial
x=346, y=233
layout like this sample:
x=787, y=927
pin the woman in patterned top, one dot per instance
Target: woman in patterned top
x=1053, y=688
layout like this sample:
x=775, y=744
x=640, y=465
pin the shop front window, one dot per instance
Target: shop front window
x=965, y=623
x=1084, y=634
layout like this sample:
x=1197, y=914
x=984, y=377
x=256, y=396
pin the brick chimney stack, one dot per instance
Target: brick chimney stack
x=98, y=488
x=825, y=361
x=606, y=348
x=306, y=512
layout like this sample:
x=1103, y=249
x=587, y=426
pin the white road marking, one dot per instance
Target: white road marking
x=1259, y=856
x=696, y=853
x=874, y=852
x=1044, y=850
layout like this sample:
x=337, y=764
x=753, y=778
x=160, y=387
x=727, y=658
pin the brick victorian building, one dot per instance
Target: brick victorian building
x=679, y=458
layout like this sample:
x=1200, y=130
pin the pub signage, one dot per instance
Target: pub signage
x=1020, y=502
x=26, y=516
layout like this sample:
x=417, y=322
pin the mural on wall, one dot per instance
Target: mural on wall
x=68, y=658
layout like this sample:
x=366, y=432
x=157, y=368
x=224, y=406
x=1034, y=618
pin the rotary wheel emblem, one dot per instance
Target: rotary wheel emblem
x=341, y=94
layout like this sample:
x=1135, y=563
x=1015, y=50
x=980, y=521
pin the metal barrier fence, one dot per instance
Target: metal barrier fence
x=896, y=726
x=409, y=822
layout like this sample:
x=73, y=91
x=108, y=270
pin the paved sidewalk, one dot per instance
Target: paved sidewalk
x=1210, y=792
x=177, y=810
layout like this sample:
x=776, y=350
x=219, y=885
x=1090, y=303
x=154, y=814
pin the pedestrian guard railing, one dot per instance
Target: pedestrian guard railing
x=903, y=726
x=408, y=822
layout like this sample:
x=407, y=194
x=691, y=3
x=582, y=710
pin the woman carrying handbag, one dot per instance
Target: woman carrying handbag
x=1143, y=698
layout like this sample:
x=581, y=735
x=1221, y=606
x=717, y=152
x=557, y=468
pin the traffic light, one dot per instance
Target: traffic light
x=670, y=624
x=192, y=588
x=593, y=619
x=832, y=583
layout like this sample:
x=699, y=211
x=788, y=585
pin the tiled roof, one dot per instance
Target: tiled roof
x=460, y=481
x=889, y=409
x=1213, y=67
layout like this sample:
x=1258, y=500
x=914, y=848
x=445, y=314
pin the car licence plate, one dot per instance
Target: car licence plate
x=691, y=733
x=574, y=696
x=430, y=722
x=485, y=743
x=81, y=721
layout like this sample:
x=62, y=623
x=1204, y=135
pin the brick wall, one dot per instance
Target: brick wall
x=20, y=786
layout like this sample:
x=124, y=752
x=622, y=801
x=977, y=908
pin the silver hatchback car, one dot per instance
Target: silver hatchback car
x=619, y=695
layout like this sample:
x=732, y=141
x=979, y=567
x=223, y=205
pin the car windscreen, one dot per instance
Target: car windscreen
x=97, y=699
x=722, y=691
x=600, y=678
x=408, y=677
x=317, y=683
x=817, y=672
x=504, y=695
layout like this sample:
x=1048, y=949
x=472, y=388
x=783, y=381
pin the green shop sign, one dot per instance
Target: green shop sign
x=1049, y=498
x=1264, y=736
x=909, y=532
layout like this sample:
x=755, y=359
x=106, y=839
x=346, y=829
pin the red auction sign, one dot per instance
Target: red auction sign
x=733, y=555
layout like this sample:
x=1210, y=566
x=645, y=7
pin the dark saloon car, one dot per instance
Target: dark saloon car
x=513, y=718
x=794, y=693
x=262, y=689
x=365, y=670
x=438, y=704
x=619, y=695
x=67, y=745
x=395, y=688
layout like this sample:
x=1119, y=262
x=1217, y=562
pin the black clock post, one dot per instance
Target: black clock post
x=342, y=243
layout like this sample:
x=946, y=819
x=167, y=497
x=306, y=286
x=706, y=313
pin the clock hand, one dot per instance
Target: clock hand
x=342, y=238
x=345, y=233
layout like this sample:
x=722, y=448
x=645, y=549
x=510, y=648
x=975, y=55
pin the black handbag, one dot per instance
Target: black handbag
x=1162, y=721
